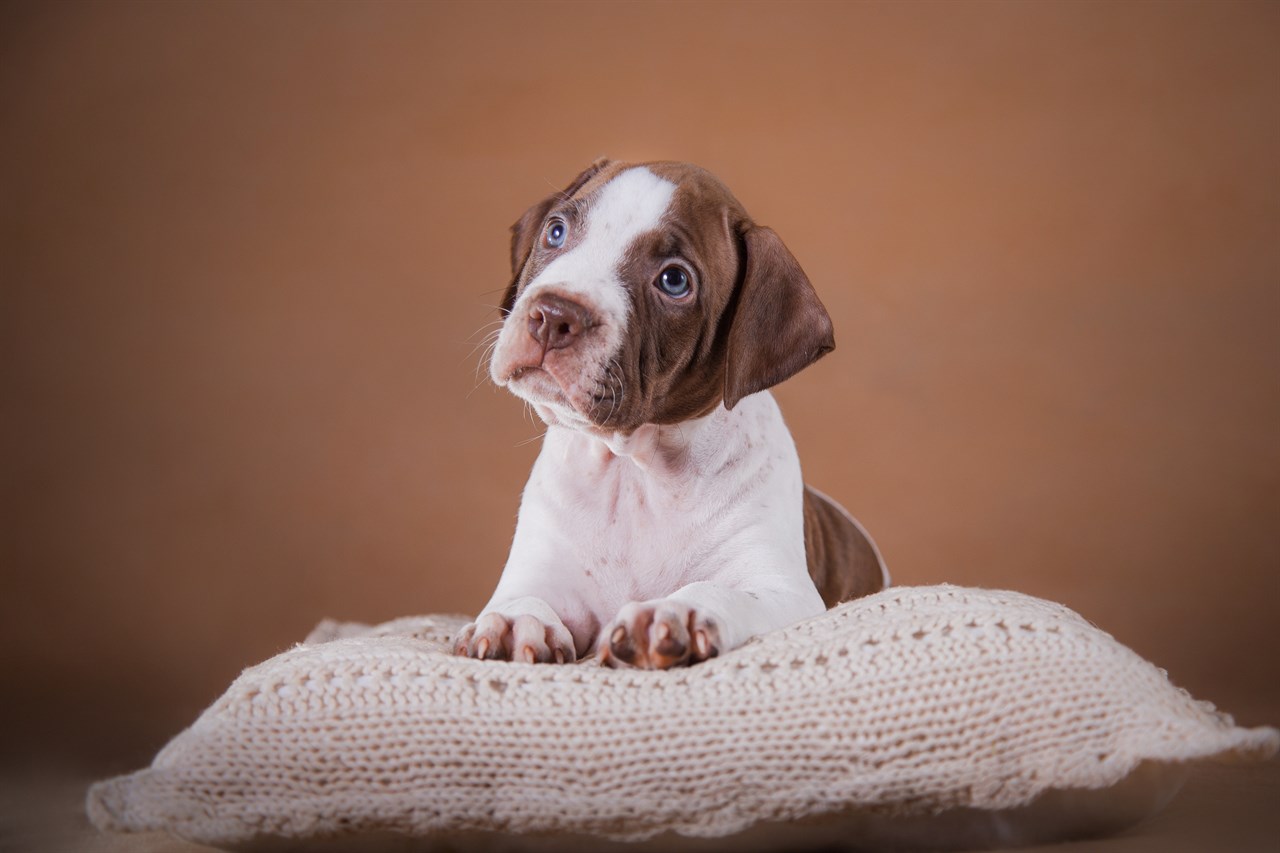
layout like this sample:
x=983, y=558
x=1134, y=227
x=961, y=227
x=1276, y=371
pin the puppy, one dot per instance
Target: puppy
x=665, y=520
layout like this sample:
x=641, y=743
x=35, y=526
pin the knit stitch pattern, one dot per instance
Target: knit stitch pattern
x=912, y=701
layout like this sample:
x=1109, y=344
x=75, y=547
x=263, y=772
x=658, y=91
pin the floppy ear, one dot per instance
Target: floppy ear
x=529, y=227
x=779, y=326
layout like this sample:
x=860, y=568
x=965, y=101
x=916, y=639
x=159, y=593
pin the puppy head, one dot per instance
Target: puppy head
x=645, y=294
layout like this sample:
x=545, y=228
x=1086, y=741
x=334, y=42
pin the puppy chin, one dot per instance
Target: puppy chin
x=555, y=403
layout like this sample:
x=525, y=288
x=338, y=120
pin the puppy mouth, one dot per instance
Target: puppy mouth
x=537, y=384
x=594, y=402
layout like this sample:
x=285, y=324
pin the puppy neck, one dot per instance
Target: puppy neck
x=649, y=445
x=662, y=449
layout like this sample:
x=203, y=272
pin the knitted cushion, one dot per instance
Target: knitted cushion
x=917, y=715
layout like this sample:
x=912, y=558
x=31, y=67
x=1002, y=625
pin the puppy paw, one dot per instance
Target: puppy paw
x=523, y=638
x=658, y=635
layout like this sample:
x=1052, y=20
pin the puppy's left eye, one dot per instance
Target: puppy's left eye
x=674, y=282
x=556, y=232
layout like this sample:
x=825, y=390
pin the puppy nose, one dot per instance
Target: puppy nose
x=556, y=322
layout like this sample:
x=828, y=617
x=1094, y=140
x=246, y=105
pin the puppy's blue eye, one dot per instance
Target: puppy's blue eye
x=556, y=232
x=674, y=281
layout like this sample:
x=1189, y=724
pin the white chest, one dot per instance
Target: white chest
x=609, y=521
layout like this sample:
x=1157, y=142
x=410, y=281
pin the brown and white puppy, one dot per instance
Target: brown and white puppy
x=665, y=519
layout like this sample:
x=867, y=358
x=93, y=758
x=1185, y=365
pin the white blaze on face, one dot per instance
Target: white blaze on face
x=629, y=205
x=632, y=203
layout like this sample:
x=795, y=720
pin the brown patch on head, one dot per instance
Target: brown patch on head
x=751, y=321
x=672, y=358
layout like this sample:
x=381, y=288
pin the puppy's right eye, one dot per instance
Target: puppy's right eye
x=556, y=232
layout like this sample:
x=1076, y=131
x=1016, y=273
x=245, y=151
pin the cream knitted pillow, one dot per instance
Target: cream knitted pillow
x=917, y=715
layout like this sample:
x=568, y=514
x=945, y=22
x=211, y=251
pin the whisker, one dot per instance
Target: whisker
x=486, y=329
x=480, y=374
x=604, y=387
x=622, y=384
x=487, y=353
x=488, y=340
x=609, y=390
x=502, y=289
x=484, y=332
x=531, y=439
x=480, y=380
x=615, y=402
x=486, y=325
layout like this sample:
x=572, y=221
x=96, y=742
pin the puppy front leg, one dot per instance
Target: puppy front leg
x=525, y=629
x=700, y=621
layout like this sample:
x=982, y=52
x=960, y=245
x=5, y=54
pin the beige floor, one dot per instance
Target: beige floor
x=1222, y=809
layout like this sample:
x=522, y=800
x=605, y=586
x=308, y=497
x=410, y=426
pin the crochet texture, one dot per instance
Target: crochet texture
x=910, y=702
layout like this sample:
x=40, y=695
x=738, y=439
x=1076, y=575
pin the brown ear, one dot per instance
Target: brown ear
x=779, y=326
x=529, y=227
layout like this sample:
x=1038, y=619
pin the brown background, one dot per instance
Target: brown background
x=247, y=250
